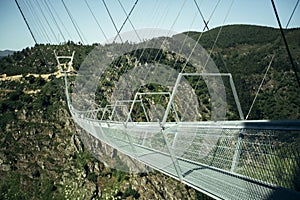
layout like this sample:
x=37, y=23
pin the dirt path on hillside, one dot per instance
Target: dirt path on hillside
x=4, y=77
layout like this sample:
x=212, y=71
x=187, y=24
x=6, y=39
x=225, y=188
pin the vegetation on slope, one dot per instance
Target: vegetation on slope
x=41, y=156
x=245, y=51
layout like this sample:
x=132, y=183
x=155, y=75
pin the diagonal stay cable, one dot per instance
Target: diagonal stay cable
x=30, y=30
x=73, y=22
x=165, y=39
x=212, y=13
x=54, y=20
x=219, y=32
x=112, y=20
x=145, y=44
x=96, y=20
x=259, y=88
x=45, y=18
x=172, y=26
x=286, y=44
x=130, y=20
x=206, y=26
x=36, y=19
x=127, y=17
x=118, y=31
x=292, y=14
x=59, y=19
x=158, y=56
x=216, y=39
x=204, y=21
x=118, y=34
x=26, y=22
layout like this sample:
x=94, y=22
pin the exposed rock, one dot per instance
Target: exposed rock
x=44, y=156
x=76, y=143
x=5, y=167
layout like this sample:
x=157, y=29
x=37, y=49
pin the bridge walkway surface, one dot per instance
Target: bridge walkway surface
x=248, y=169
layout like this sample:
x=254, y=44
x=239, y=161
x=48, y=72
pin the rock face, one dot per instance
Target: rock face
x=109, y=156
x=43, y=156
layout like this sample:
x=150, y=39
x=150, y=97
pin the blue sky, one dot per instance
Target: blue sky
x=14, y=34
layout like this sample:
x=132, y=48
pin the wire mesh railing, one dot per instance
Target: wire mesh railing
x=261, y=153
x=267, y=155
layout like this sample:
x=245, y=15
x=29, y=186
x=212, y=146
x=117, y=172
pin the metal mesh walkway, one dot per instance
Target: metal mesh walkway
x=227, y=160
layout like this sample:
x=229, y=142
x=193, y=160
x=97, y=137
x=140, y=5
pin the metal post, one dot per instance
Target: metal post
x=57, y=60
x=113, y=111
x=173, y=157
x=131, y=108
x=70, y=63
x=103, y=113
x=236, y=98
x=174, y=140
x=171, y=99
x=147, y=118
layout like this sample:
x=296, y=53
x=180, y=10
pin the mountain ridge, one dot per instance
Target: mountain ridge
x=6, y=52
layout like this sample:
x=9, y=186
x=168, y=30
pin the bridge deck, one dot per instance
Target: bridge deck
x=224, y=185
x=215, y=181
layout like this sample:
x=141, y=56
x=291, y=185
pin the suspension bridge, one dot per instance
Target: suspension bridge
x=239, y=159
x=248, y=161
x=243, y=159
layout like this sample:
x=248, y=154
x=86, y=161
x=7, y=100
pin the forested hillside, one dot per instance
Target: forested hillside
x=41, y=156
x=245, y=51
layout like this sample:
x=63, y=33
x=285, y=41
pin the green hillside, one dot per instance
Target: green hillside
x=245, y=51
x=41, y=156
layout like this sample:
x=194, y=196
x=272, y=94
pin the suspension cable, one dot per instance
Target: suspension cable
x=43, y=14
x=286, y=44
x=127, y=17
x=206, y=26
x=54, y=20
x=73, y=22
x=219, y=32
x=292, y=14
x=36, y=18
x=112, y=20
x=26, y=21
x=206, y=22
x=59, y=19
x=130, y=20
x=216, y=39
x=259, y=88
x=96, y=20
